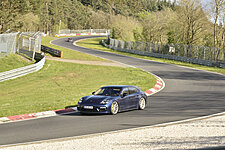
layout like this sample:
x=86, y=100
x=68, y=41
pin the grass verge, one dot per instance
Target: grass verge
x=95, y=44
x=67, y=53
x=61, y=84
x=12, y=61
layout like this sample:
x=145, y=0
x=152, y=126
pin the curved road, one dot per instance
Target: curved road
x=188, y=93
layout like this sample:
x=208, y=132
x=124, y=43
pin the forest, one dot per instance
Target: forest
x=156, y=21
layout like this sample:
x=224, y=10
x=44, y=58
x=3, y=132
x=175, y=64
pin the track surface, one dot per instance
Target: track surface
x=188, y=93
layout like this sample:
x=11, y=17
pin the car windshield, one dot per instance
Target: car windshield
x=108, y=91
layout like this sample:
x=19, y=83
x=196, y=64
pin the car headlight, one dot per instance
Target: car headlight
x=106, y=101
x=81, y=100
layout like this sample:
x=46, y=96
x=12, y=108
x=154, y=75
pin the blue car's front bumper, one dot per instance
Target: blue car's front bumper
x=104, y=109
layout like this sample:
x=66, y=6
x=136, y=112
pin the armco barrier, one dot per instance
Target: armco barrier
x=15, y=73
x=37, y=56
x=171, y=57
x=51, y=51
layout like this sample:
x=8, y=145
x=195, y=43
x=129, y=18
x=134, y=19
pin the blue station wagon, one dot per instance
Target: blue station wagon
x=113, y=99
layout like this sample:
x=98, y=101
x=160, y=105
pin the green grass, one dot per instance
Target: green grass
x=67, y=53
x=95, y=44
x=12, y=61
x=61, y=84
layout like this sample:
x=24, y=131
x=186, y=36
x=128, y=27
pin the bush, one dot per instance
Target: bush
x=123, y=28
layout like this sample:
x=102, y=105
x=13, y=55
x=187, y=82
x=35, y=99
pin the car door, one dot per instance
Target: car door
x=134, y=97
x=124, y=101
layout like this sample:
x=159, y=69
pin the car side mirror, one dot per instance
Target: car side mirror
x=93, y=93
x=124, y=95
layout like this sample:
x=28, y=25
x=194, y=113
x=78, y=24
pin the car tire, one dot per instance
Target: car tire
x=141, y=103
x=114, y=108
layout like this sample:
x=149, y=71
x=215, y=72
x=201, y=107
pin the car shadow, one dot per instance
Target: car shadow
x=76, y=113
x=70, y=106
x=83, y=114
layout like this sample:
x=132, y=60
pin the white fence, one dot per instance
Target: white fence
x=15, y=73
x=27, y=43
x=30, y=41
x=67, y=32
x=13, y=42
x=154, y=52
x=8, y=43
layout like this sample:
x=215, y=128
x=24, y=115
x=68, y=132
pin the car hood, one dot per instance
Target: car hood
x=95, y=99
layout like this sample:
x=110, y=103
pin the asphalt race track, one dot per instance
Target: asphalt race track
x=188, y=94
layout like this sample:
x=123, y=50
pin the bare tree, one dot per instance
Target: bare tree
x=192, y=20
x=156, y=26
x=217, y=10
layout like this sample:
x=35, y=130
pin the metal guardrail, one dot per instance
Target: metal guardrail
x=52, y=51
x=166, y=56
x=30, y=54
x=15, y=73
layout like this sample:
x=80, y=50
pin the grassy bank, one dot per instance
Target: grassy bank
x=67, y=53
x=61, y=84
x=12, y=61
x=95, y=44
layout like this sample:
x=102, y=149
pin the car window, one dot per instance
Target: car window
x=108, y=91
x=125, y=91
x=133, y=90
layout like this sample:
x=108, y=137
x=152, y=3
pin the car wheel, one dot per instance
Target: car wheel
x=142, y=103
x=114, y=108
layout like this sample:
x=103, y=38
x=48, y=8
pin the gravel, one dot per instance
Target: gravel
x=190, y=135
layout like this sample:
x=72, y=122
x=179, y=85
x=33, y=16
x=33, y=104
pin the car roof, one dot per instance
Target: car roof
x=118, y=86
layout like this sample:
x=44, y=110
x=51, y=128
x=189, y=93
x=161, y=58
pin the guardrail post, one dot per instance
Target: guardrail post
x=204, y=53
x=34, y=51
x=197, y=52
x=29, y=43
x=18, y=48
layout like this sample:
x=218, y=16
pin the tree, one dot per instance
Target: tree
x=123, y=28
x=217, y=9
x=9, y=10
x=99, y=20
x=29, y=22
x=44, y=15
x=192, y=20
x=78, y=15
x=156, y=25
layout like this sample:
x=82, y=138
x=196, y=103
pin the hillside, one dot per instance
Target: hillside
x=155, y=21
x=44, y=15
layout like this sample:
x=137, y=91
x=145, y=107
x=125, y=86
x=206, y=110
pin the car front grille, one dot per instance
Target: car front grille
x=95, y=109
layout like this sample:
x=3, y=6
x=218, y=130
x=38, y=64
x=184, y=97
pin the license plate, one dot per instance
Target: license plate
x=88, y=107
